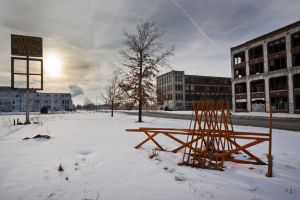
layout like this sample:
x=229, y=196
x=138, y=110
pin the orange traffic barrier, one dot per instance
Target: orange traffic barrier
x=211, y=140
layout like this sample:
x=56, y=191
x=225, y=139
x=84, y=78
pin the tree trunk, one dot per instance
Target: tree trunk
x=112, y=109
x=140, y=88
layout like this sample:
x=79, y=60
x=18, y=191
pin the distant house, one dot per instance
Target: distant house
x=15, y=100
x=177, y=91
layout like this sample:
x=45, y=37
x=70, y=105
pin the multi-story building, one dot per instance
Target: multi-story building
x=177, y=91
x=15, y=100
x=266, y=70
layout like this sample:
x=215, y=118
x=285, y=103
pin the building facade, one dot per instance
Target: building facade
x=15, y=100
x=177, y=91
x=267, y=70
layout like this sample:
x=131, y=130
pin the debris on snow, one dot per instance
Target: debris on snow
x=60, y=168
x=38, y=137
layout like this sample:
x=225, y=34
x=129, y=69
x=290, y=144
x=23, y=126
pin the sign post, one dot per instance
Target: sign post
x=27, y=121
x=23, y=48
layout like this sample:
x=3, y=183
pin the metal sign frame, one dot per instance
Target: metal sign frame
x=26, y=47
x=27, y=73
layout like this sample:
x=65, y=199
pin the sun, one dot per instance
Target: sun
x=53, y=66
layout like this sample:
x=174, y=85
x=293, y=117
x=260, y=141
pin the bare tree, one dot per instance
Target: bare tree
x=143, y=57
x=113, y=93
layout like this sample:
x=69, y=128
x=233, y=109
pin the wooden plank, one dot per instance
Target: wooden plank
x=152, y=138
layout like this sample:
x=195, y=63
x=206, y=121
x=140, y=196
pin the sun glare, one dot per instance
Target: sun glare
x=53, y=66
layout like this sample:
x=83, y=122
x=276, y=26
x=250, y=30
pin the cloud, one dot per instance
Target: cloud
x=87, y=36
x=87, y=101
x=76, y=90
x=200, y=30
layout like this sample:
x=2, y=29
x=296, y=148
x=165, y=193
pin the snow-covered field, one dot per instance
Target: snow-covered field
x=100, y=162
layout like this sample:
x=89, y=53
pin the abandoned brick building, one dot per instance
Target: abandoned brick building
x=176, y=90
x=267, y=70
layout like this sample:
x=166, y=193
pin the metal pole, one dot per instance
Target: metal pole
x=270, y=158
x=27, y=121
x=12, y=73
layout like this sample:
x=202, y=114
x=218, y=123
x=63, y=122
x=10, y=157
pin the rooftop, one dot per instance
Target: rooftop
x=268, y=35
x=194, y=75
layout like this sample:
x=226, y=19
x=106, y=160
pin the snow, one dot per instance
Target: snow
x=100, y=162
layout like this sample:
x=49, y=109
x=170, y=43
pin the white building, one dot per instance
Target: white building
x=15, y=100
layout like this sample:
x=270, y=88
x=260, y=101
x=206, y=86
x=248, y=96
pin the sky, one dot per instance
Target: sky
x=84, y=37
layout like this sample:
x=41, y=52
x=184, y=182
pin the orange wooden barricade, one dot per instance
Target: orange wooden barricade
x=211, y=139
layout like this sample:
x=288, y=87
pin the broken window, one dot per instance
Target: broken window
x=278, y=83
x=256, y=52
x=297, y=81
x=296, y=39
x=197, y=88
x=276, y=46
x=178, y=87
x=296, y=43
x=188, y=97
x=258, y=86
x=239, y=58
x=241, y=105
x=239, y=72
x=240, y=88
x=188, y=106
x=179, y=97
x=257, y=68
x=276, y=64
x=225, y=89
x=187, y=87
x=207, y=89
x=178, y=78
x=297, y=86
x=296, y=59
x=297, y=102
x=279, y=103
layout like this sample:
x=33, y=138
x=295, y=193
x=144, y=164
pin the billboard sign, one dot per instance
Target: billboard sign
x=22, y=45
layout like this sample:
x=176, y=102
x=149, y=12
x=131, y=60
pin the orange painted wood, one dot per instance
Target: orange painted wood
x=210, y=139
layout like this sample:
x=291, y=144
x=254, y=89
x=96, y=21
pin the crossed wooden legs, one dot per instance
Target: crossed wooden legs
x=152, y=133
x=150, y=137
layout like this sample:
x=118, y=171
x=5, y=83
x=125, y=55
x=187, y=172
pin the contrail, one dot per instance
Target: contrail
x=194, y=22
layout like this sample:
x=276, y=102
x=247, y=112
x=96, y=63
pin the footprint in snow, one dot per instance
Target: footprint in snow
x=85, y=152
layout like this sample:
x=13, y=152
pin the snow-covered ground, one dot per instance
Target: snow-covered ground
x=100, y=162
